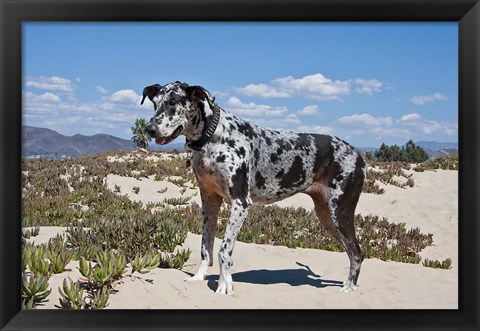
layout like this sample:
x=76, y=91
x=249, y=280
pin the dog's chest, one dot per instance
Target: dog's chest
x=209, y=177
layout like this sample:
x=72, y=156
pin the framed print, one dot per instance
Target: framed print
x=124, y=124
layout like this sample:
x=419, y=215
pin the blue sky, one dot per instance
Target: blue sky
x=366, y=83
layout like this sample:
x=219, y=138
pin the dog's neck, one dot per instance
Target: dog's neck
x=204, y=123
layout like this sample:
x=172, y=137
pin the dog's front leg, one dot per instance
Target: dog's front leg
x=210, y=209
x=238, y=214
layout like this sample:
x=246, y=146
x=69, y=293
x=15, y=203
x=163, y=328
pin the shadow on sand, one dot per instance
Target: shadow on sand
x=292, y=277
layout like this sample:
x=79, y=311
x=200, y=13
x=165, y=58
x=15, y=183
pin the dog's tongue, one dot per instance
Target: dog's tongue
x=161, y=141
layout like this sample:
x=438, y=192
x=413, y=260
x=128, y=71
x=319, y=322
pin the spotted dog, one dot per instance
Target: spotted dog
x=244, y=164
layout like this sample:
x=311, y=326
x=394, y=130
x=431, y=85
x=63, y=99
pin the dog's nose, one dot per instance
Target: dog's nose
x=151, y=130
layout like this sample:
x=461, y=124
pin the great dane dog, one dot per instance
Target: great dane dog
x=244, y=164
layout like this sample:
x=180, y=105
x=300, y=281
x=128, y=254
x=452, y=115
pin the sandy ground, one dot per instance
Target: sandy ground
x=280, y=277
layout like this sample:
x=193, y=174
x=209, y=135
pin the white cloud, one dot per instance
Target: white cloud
x=309, y=110
x=367, y=86
x=316, y=129
x=391, y=132
x=315, y=86
x=128, y=96
x=292, y=119
x=43, y=103
x=235, y=105
x=418, y=124
x=220, y=94
x=53, y=83
x=365, y=119
x=262, y=90
x=406, y=126
x=410, y=117
x=44, y=98
x=101, y=89
x=69, y=115
x=423, y=99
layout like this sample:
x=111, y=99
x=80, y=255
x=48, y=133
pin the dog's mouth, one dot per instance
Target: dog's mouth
x=165, y=140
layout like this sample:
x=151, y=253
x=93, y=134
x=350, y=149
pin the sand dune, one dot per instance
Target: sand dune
x=280, y=277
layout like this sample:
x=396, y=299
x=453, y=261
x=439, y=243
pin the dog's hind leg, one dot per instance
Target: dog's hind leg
x=345, y=215
x=210, y=208
x=342, y=208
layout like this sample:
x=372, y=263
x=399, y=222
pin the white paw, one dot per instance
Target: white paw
x=201, y=272
x=195, y=277
x=348, y=287
x=224, y=287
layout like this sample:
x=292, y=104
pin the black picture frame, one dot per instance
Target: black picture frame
x=14, y=12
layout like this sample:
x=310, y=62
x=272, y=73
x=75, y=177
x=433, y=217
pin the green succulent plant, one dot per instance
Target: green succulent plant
x=72, y=295
x=100, y=298
x=34, y=289
x=143, y=263
x=40, y=266
x=445, y=264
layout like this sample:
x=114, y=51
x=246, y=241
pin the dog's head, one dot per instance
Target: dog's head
x=179, y=108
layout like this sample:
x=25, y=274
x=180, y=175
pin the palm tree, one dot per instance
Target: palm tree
x=140, y=135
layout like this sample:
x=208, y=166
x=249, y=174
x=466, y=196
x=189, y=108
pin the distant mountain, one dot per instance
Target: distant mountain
x=49, y=143
x=437, y=146
x=179, y=147
x=438, y=149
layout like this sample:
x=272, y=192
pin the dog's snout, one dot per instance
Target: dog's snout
x=151, y=130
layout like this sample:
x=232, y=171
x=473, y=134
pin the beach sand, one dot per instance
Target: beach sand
x=279, y=277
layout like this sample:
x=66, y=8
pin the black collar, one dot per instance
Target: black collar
x=207, y=134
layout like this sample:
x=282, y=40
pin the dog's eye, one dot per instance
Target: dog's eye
x=171, y=103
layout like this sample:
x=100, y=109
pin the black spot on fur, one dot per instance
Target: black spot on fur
x=247, y=130
x=239, y=188
x=231, y=142
x=324, y=154
x=256, y=154
x=280, y=151
x=240, y=152
x=221, y=158
x=273, y=158
x=268, y=141
x=303, y=141
x=295, y=175
x=288, y=146
x=280, y=174
x=259, y=180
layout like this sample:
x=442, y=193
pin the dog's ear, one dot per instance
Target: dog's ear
x=150, y=92
x=197, y=93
